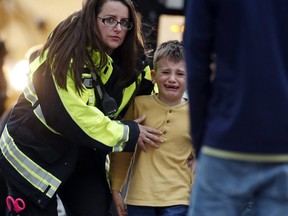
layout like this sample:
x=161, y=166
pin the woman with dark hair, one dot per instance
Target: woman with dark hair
x=69, y=117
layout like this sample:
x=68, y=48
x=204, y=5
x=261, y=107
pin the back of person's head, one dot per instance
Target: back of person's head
x=172, y=49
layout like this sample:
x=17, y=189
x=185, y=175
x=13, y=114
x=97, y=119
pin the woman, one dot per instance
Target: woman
x=69, y=116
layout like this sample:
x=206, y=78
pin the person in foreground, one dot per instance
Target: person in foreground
x=70, y=114
x=239, y=118
x=160, y=179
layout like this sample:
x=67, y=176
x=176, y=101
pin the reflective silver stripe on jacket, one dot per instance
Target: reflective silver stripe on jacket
x=117, y=147
x=33, y=173
x=30, y=95
x=38, y=112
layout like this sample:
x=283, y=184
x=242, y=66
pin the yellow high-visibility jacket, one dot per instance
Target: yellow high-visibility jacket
x=39, y=142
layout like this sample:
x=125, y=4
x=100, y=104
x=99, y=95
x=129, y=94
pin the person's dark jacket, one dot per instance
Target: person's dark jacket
x=244, y=108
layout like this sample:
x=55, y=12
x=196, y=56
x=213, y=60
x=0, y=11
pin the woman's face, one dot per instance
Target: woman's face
x=112, y=37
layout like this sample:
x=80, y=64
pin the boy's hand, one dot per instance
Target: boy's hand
x=192, y=162
x=119, y=203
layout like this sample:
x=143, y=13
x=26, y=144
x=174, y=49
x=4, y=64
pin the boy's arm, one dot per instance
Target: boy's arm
x=119, y=166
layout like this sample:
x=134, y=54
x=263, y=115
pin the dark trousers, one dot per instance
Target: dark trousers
x=86, y=193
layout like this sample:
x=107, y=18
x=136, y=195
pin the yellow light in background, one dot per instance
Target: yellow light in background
x=174, y=28
x=18, y=75
x=170, y=28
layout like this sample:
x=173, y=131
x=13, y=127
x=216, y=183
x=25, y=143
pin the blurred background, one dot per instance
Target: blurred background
x=25, y=24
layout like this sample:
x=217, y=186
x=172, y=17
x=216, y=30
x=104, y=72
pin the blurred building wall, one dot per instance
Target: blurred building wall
x=26, y=23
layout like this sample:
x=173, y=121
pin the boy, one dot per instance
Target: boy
x=160, y=179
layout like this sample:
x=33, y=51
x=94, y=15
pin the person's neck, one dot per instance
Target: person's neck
x=171, y=102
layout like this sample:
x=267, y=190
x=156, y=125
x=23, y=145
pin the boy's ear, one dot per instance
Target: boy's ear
x=153, y=75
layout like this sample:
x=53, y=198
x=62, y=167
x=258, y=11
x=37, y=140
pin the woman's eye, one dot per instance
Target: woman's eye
x=110, y=20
